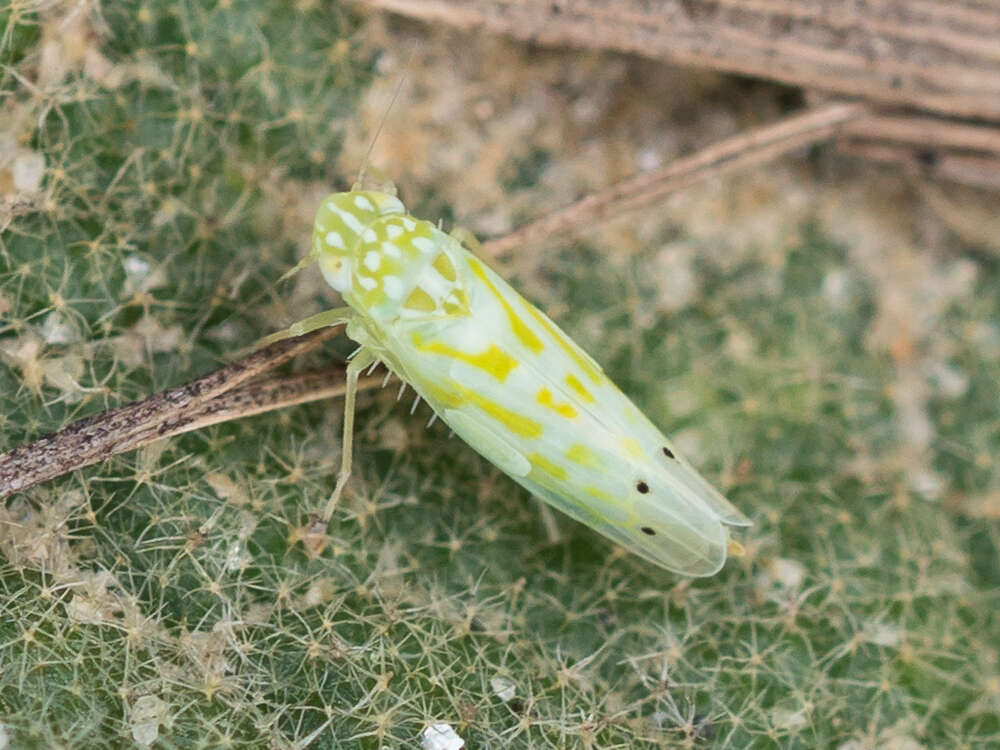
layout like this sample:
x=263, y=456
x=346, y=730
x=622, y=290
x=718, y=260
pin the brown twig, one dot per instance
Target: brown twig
x=267, y=395
x=932, y=67
x=936, y=55
x=109, y=433
x=732, y=154
x=963, y=152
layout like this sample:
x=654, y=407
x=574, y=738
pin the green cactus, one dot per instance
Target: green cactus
x=160, y=170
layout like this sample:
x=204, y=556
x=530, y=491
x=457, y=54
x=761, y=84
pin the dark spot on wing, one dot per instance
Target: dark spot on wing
x=648, y=531
x=668, y=453
x=642, y=487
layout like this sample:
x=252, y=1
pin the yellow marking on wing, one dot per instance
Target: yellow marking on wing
x=420, y=300
x=574, y=352
x=461, y=304
x=517, y=423
x=573, y=382
x=601, y=494
x=545, y=399
x=625, y=516
x=494, y=360
x=520, y=328
x=443, y=265
x=580, y=454
x=632, y=447
x=541, y=463
x=447, y=397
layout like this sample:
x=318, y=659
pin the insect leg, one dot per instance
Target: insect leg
x=336, y=316
x=362, y=359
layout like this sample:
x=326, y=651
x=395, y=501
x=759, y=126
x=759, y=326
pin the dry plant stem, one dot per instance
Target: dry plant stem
x=956, y=151
x=269, y=395
x=936, y=55
x=109, y=433
x=974, y=171
x=732, y=154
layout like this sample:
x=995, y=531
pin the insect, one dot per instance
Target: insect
x=507, y=381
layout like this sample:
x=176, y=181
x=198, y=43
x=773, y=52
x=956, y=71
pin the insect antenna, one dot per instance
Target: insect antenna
x=378, y=131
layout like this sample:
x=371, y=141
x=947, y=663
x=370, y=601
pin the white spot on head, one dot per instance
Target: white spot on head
x=363, y=203
x=393, y=230
x=369, y=235
x=393, y=287
x=424, y=244
x=372, y=260
x=409, y=224
x=367, y=282
x=334, y=240
x=391, y=250
x=350, y=220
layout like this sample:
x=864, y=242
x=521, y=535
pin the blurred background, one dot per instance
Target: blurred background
x=820, y=336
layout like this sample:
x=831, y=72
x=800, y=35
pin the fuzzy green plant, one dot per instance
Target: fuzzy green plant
x=160, y=163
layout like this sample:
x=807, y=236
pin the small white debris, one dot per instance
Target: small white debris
x=235, y=559
x=441, y=737
x=55, y=329
x=148, y=712
x=786, y=718
x=883, y=634
x=136, y=265
x=787, y=573
x=503, y=687
x=928, y=484
x=27, y=171
x=140, y=275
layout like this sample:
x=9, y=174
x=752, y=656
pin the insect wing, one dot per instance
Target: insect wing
x=520, y=392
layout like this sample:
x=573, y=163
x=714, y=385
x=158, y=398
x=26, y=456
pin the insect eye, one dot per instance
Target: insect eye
x=648, y=531
x=668, y=453
x=642, y=487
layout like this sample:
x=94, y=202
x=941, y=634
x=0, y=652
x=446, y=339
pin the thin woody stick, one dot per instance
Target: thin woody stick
x=264, y=396
x=738, y=152
x=109, y=433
